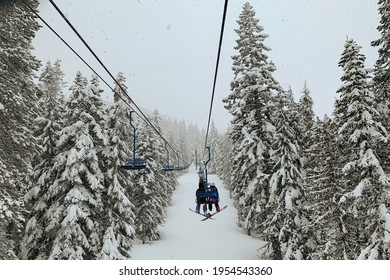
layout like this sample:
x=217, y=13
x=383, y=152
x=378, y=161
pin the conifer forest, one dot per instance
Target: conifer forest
x=311, y=187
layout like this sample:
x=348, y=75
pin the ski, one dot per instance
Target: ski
x=210, y=216
x=204, y=215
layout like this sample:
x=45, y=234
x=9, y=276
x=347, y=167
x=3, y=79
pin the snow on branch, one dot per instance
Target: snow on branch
x=357, y=192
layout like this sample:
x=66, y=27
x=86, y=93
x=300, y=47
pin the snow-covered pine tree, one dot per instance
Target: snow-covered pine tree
x=11, y=215
x=367, y=191
x=47, y=129
x=195, y=141
x=323, y=192
x=74, y=199
x=120, y=217
x=288, y=97
x=286, y=221
x=381, y=86
x=59, y=76
x=185, y=139
x=181, y=141
x=176, y=136
x=222, y=158
x=250, y=103
x=98, y=111
x=166, y=180
x=18, y=93
x=148, y=193
x=224, y=162
x=51, y=80
x=306, y=119
x=233, y=100
x=18, y=96
x=46, y=75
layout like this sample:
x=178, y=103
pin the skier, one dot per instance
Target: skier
x=213, y=197
x=201, y=197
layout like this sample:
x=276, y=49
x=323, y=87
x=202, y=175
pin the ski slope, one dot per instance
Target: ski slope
x=185, y=237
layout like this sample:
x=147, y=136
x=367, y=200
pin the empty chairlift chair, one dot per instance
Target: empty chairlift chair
x=168, y=167
x=134, y=163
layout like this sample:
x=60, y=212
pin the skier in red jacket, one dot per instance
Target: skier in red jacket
x=213, y=197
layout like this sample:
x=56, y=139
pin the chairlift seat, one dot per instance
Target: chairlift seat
x=134, y=164
x=183, y=167
x=169, y=168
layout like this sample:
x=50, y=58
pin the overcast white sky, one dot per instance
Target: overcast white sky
x=167, y=48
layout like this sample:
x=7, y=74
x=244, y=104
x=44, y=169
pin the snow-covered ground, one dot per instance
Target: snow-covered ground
x=185, y=237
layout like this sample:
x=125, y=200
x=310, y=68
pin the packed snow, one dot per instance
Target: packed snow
x=184, y=236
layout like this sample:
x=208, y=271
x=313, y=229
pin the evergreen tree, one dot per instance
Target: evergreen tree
x=51, y=80
x=181, y=142
x=73, y=219
x=166, y=180
x=120, y=217
x=98, y=110
x=288, y=100
x=381, y=87
x=306, y=118
x=250, y=103
x=47, y=131
x=223, y=158
x=11, y=215
x=59, y=77
x=195, y=141
x=18, y=96
x=148, y=193
x=286, y=222
x=323, y=194
x=18, y=92
x=366, y=192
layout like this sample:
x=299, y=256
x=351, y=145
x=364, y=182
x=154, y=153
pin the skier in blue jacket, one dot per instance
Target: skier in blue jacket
x=201, y=197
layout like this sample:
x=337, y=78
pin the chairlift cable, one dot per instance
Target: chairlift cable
x=75, y=52
x=94, y=54
x=141, y=115
x=145, y=118
x=216, y=71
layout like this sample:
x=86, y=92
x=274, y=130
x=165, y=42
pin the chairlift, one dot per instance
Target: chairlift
x=181, y=167
x=168, y=167
x=134, y=163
